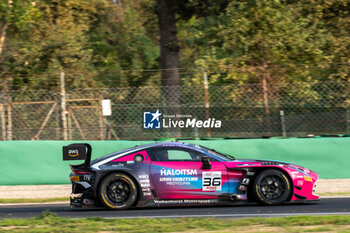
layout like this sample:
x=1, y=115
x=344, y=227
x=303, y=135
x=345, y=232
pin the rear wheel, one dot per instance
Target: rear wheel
x=272, y=187
x=117, y=191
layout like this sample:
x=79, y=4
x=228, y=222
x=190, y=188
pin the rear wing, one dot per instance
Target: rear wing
x=78, y=151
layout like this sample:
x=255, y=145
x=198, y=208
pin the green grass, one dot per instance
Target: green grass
x=34, y=200
x=49, y=222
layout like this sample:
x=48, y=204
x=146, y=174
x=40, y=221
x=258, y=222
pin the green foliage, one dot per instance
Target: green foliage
x=103, y=44
x=121, y=45
x=92, y=41
x=253, y=36
x=18, y=14
x=302, y=42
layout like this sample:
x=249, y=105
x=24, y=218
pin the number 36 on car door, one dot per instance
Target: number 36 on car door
x=211, y=181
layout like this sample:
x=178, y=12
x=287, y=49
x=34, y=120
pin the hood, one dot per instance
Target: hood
x=258, y=163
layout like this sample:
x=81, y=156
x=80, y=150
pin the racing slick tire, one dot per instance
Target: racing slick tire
x=272, y=187
x=117, y=191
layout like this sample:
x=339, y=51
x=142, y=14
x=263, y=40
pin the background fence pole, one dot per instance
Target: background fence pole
x=347, y=121
x=9, y=120
x=57, y=120
x=70, y=129
x=3, y=122
x=206, y=99
x=283, y=124
x=101, y=122
x=63, y=107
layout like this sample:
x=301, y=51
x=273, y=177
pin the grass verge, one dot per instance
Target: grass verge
x=49, y=222
x=34, y=200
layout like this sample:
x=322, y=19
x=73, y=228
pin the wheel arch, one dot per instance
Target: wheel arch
x=137, y=183
x=258, y=170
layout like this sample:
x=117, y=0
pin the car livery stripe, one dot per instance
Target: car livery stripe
x=97, y=165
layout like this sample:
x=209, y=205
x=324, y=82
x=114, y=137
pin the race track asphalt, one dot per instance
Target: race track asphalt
x=325, y=206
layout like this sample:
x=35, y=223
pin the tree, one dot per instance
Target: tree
x=122, y=48
x=169, y=51
x=14, y=17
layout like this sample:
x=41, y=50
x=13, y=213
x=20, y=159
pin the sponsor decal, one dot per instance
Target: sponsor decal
x=178, y=183
x=211, y=181
x=130, y=161
x=118, y=165
x=178, y=172
x=300, y=182
x=307, y=178
x=178, y=180
x=145, y=185
x=185, y=201
x=242, y=188
x=155, y=120
x=73, y=153
x=87, y=177
x=245, y=181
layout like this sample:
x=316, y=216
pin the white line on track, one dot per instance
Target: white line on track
x=232, y=215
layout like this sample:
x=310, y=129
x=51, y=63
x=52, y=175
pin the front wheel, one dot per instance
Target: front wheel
x=272, y=187
x=117, y=191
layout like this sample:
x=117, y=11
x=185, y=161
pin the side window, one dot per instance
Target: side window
x=179, y=155
x=197, y=156
x=175, y=154
x=159, y=154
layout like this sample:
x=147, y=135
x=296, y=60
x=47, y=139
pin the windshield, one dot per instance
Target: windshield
x=221, y=155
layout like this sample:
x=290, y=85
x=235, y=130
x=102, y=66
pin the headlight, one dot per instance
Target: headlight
x=305, y=171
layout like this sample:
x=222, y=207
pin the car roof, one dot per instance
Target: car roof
x=145, y=146
x=165, y=144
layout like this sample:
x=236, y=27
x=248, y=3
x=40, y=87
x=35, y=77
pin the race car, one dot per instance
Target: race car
x=176, y=173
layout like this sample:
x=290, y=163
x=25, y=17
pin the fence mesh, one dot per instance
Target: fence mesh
x=246, y=110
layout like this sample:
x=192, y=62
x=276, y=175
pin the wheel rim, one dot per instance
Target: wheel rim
x=119, y=191
x=272, y=187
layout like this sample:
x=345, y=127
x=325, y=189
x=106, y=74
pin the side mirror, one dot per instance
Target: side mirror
x=206, y=162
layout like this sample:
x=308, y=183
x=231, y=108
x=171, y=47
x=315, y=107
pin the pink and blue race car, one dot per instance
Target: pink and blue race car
x=175, y=173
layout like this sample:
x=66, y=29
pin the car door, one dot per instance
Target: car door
x=177, y=174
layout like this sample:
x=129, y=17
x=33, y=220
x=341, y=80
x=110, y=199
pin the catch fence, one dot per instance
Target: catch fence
x=245, y=110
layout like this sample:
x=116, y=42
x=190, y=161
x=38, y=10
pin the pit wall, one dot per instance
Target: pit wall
x=40, y=162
